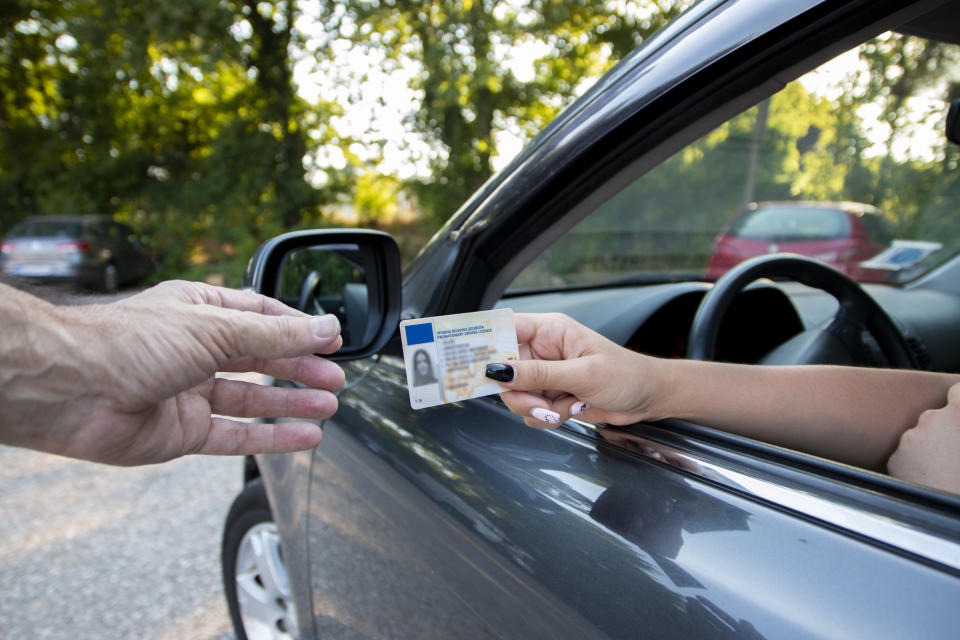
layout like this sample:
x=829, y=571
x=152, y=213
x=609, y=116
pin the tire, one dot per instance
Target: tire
x=254, y=572
x=109, y=279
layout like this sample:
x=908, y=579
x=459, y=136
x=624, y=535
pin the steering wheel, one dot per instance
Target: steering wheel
x=840, y=342
x=308, y=302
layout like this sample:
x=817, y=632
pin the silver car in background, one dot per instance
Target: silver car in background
x=91, y=251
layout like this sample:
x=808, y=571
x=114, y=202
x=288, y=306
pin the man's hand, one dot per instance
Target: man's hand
x=929, y=453
x=133, y=381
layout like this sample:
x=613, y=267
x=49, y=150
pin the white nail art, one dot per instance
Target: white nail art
x=545, y=415
x=578, y=407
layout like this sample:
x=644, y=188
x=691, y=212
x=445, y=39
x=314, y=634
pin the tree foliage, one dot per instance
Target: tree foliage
x=185, y=120
x=465, y=54
x=178, y=117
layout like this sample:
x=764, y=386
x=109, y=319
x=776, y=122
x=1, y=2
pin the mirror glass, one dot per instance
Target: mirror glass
x=331, y=279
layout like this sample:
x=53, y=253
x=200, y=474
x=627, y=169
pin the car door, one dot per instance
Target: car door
x=459, y=521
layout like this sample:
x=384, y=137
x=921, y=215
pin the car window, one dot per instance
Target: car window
x=791, y=223
x=46, y=229
x=98, y=230
x=865, y=130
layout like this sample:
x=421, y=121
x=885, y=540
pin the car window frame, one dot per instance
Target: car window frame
x=912, y=520
x=882, y=501
x=508, y=257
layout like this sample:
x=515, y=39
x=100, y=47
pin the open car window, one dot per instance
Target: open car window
x=845, y=163
x=849, y=164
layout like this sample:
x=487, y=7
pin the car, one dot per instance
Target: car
x=458, y=521
x=842, y=234
x=88, y=250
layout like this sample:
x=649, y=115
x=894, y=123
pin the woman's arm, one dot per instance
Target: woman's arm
x=853, y=415
x=849, y=414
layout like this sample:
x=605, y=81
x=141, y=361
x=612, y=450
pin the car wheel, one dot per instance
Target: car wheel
x=109, y=279
x=254, y=572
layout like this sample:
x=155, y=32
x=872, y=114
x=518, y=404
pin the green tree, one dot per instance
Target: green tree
x=375, y=198
x=898, y=69
x=181, y=118
x=463, y=50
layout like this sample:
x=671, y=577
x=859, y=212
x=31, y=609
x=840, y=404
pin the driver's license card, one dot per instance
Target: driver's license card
x=446, y=356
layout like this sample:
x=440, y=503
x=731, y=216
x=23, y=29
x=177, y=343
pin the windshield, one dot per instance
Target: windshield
x=848, y=164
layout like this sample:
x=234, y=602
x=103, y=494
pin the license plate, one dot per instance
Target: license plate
x=35, y=270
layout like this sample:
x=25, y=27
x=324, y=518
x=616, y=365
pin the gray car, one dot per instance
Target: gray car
x=91, y=251
x=458, y=521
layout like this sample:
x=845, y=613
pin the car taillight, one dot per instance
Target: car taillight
x=73, y=246
x=8, y=247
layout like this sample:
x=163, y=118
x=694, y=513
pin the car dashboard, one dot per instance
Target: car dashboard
x=656, y=319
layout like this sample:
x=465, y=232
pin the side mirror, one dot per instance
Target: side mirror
x=351, y=273
x=953, y=122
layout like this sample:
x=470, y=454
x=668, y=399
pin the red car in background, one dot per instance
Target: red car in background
x=842, y=234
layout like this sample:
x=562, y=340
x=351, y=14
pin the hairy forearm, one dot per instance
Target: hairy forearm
x=854, y=415
x=39, y=370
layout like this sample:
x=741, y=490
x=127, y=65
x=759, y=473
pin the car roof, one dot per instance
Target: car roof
x=70, y=218
x=856, y=208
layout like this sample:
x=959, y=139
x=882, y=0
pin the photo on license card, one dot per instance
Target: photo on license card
x=446, y=356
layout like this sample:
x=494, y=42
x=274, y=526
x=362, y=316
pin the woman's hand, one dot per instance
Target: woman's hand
x=566, y=369
x=929, y=453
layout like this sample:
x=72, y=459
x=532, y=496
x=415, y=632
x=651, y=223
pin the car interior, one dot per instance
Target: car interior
x=631, y=257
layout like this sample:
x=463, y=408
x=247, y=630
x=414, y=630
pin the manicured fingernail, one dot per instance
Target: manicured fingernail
x=500, y=372
x=578, y=407
x=545, y=415
x=325, y=326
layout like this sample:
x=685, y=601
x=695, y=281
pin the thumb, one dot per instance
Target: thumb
x=539, y=375
x=261, y=336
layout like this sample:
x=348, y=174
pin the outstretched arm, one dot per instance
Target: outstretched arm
x=133, y=381
x=854, y=415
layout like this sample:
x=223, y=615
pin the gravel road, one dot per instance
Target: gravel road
x=92, y=551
